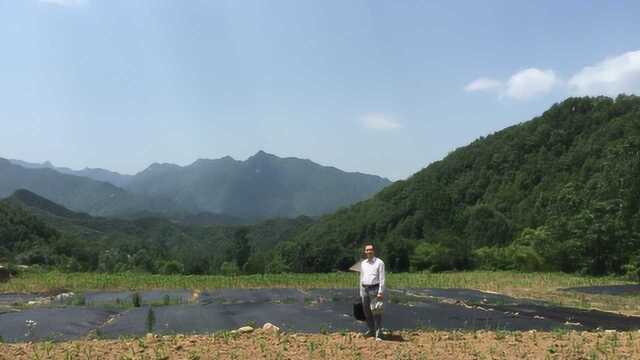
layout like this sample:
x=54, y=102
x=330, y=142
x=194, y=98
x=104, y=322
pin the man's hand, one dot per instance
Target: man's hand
x=380, y=296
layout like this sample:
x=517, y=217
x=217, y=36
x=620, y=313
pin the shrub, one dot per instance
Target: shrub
x=229, y=268
x=432, y=257
x=512, y=257
x=172, y=267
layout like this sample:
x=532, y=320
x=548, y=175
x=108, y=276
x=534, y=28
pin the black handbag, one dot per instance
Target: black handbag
x=358, y=311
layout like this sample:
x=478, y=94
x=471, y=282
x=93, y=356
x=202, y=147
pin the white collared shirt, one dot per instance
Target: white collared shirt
x=371, y=273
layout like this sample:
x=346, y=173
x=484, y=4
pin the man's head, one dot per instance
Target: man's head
x=370, y=251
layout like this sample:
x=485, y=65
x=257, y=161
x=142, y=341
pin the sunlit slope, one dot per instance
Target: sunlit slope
x=558, y=192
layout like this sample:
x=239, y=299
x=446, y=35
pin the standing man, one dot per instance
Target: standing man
x=372, y=289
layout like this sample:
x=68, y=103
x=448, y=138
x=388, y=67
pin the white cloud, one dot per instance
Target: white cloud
x=377, y=121
x=483, y=84
x=65, y=3
x=530, y=83
x=522, y=85
x=614, y=75
x=611, y=77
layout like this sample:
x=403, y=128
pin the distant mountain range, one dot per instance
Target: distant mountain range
x=95, y=174
x=79, y=193
x=263, y=186
x=220, y=190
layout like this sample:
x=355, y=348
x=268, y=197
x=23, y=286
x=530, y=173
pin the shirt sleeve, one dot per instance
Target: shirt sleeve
x=381, y=289
x=360, y=287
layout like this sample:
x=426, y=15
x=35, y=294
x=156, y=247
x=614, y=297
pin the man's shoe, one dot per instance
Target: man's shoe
x=368, y=333
x=379, y=335
x=378, y=338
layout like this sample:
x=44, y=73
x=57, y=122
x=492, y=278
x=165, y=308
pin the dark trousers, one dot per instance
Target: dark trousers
x=373, y=321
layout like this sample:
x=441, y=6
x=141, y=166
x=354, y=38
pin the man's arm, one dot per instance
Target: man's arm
x=381, y=288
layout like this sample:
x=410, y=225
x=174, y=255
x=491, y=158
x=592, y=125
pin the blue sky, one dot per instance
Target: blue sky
x=370, y=86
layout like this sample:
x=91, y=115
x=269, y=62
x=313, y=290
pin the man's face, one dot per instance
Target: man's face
x=368, y=250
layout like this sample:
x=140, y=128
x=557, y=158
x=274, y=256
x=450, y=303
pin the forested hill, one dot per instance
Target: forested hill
x=36, y=231
x=558, y=192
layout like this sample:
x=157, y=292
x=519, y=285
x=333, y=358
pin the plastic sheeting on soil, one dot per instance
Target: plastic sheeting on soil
x=607, y=289
x=146, y=297
x=318, y=310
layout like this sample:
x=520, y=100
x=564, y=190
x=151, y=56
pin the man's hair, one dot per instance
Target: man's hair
x=372, y=246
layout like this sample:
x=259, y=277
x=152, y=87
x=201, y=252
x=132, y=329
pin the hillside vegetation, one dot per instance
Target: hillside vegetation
x=36, y=231
x=559, y=192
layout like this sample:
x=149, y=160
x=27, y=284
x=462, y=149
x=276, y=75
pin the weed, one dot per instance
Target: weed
x=251, y=323
x=150, y=320
x=135, y=299
x=559, y=332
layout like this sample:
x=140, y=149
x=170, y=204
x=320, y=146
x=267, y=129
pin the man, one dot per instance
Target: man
x=372, y=290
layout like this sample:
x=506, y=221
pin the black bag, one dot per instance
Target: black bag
x=358, y=311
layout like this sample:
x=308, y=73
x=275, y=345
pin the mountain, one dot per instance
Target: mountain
x=263, y=186
x=559, y=192
x=96, y=174
x=79, y=193
x=39, y=205
x=208, y=191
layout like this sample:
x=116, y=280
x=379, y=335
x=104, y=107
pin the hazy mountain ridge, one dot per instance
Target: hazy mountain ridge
x=262, y=186
x=78, y=193
x=40, y=205
x=97, y=174
x=218, y=190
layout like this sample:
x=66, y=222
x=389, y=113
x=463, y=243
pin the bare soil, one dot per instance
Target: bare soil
x=405, y=345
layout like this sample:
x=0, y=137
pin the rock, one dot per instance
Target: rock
x=63, y=296
x=4, y=274
x=39, y=301
x=245, y=330
x=270, y=327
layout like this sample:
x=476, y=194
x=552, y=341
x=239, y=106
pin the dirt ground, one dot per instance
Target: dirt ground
x=403, y=345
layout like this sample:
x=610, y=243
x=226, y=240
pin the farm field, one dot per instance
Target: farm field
x=610, y=294
x=539, y=286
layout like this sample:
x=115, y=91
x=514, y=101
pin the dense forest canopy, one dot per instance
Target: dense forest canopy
x=559, y=192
